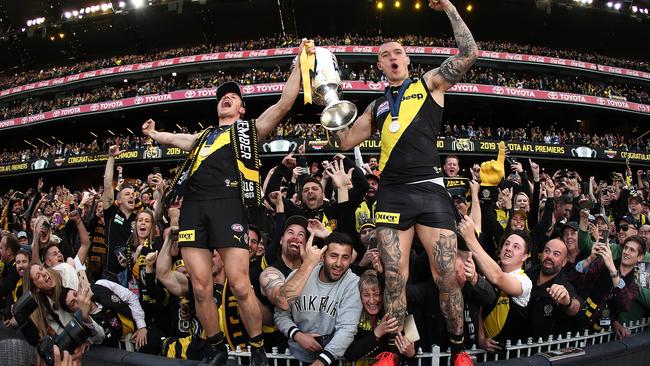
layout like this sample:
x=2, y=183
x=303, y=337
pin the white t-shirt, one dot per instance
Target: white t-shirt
x=526, y=286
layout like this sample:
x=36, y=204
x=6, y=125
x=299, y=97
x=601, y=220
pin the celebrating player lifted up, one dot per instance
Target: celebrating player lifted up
x=221, y=173
x=412, y=197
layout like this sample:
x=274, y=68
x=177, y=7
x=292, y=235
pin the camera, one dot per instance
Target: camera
x=73, y=335
x=511, y=160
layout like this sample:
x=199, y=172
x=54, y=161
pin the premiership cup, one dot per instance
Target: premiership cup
x=326, y=86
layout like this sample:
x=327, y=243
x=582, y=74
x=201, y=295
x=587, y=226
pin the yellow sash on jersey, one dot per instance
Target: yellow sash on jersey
x=414, y=98
x=496, y=320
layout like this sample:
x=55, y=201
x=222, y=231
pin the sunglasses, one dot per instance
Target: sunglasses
x=624, y=227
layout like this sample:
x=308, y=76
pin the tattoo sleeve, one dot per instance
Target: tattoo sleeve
x=453, y=68
x=394, y=292
x=451, y=298
x=271, y=280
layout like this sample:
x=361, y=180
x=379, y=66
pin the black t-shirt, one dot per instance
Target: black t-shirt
x=117, y=229
x=546, y=316
x=213, y=174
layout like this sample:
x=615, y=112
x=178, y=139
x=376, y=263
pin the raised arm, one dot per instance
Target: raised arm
x=175, y=282
x=452, y=69
x=84, y=238
x=272, y=116
x=311, y=256
x=490, y=268
x=183, y=141
x=108, y=196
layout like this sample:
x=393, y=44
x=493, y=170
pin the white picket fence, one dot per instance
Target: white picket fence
x=437, y=358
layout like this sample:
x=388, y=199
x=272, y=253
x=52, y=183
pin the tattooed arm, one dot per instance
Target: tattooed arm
x=271, y=281
x=452, y=69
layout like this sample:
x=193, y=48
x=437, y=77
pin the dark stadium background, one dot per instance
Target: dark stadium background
x=561, y=24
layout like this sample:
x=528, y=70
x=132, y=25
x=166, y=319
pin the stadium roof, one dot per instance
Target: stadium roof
x=169, y=23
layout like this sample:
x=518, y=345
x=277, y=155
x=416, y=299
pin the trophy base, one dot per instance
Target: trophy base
x=338, y=115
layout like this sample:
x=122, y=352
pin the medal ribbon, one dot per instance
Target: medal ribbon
x=394, y=104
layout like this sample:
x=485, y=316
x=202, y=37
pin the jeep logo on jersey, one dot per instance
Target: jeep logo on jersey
x=417, y=96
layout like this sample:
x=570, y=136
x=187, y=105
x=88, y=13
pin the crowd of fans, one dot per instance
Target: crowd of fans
x=313, y=131
x=7, y=81
x=572, y=253
x=527, y=80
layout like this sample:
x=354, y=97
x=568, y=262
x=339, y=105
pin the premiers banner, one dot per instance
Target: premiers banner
x=351, y=86
x=280, y=146
x=279, y=52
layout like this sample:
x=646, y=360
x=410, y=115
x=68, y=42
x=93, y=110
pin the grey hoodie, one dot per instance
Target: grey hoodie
x=329, y=309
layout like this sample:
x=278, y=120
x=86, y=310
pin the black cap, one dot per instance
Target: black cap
x=572, y=224
x=296, y=220
x=229, y=87
x=629, y=219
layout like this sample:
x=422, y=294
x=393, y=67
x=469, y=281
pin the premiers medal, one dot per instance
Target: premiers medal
x=394, y=105
x=394, y=125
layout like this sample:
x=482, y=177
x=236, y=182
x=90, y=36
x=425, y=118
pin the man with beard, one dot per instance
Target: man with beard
x=366, y=210
x=297, y=254
x=553, y=297
x=322, y=318
x=312, y=195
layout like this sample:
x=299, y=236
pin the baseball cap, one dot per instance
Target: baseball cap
x=373, y=177
x=604, y=217
x=572, y=224
x=369, y=223
x=296, y=220
x=628, y=219
x=229, y=87
x=22, y=234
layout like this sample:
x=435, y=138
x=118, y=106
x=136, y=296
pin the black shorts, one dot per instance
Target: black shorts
x=404, y=205
x=211, y=224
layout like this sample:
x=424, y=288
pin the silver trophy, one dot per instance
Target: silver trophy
x=326, y=86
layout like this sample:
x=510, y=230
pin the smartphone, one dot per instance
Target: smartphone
x=604, y=235
x=511, y=159
x=372, y=243
x=586, y=205
x=156, y=170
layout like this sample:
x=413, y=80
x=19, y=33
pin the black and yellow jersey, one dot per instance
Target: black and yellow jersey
x=213, y=174
x=409, y=154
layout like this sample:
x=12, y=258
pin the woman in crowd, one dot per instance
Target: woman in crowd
x=46, y=286
x=370, y=339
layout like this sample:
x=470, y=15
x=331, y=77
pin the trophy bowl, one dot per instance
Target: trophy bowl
x=326, y=87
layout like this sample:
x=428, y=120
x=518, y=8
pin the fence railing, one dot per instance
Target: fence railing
x=436, y=357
